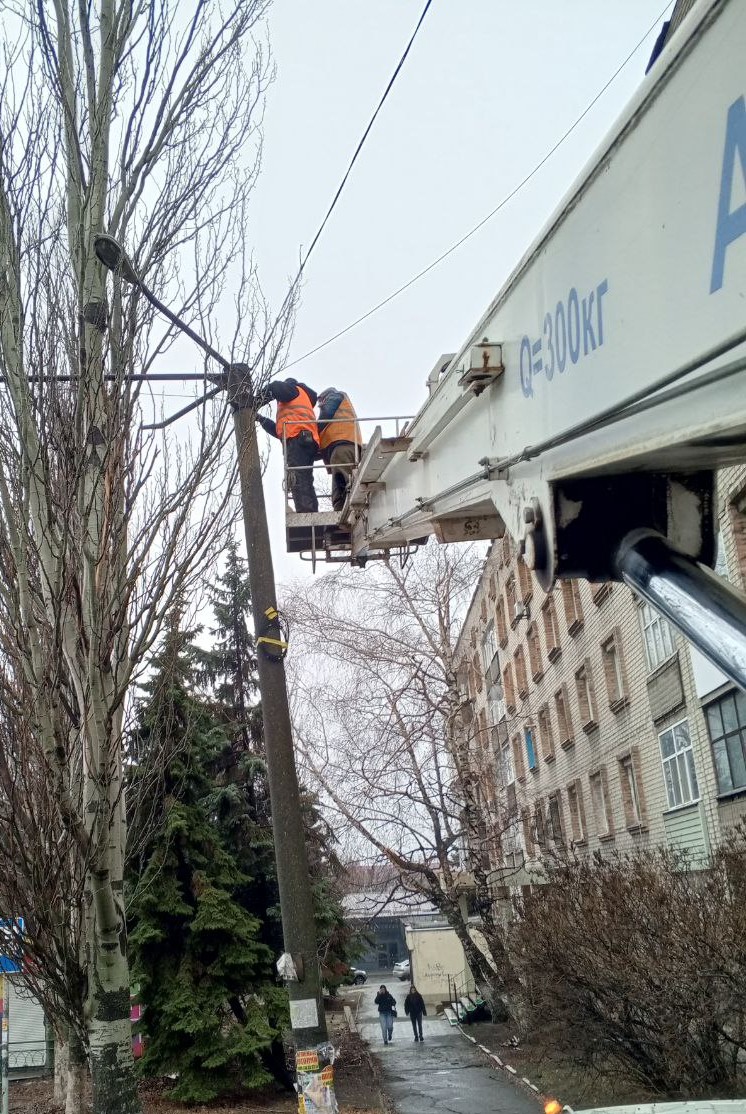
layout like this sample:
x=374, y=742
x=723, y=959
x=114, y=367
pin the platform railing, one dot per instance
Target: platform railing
x=396, y=424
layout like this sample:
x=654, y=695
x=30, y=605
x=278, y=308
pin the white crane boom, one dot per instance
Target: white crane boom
x=589, y=408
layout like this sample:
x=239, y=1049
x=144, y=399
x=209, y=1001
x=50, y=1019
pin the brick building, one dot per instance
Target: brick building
x=593, y=723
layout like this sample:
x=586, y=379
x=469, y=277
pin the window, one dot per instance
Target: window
x=586, y=697
x=478, y=672
x=492, y=588
x=525, y=585
x=495, y=703
x=616, y=684
x=546, y=740
x=518, y=762
x=679, y=773
x=600, y=800
x=659, y=643
x=539, y=828
x=601, y=590
x=521, y=679
x=510, y=600
x=507, y=548
x=482, y=734
x=528, y=735
x=555, y=829
x=573, y=608
x=551, y=629
x=510, y=841
x=634, y=808
x=577, y=811
x=507, y=769
x=564, y=723
x=489, y=647
x=534, y=652
x=502, y=626
x=508, y=687
x=528, y=833
x=726, y=722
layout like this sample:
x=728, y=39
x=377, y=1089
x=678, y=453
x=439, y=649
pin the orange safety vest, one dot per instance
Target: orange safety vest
x=342, y=427
x=293, y=417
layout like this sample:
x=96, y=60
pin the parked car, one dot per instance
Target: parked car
x=355, y=977
x=402, y=970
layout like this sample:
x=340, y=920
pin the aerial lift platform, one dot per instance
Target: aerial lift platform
x=589, y=409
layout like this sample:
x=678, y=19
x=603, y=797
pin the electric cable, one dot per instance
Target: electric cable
x=359, y=147
x=488, y=217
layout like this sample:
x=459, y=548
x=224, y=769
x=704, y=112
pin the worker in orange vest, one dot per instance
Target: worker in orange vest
x=295, y=425
x=340, y=439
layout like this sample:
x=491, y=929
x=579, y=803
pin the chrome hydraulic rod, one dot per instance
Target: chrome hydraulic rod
x=703, y=606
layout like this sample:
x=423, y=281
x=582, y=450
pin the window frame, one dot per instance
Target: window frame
x=598, y=777
x=576, y=809
x=555, y=831
x=586, y=693
x=506, y=749
x=531, y=748
x=572, y=605
x=620, y=696
x=534, y=651
x=509, y=687
x=489, y=643
x=650, y=622
x=566, y=738
x=551, y=628
x=546, y=735
x=666, y=759
x=736, y=733
x=633, y=798
x=521, y=673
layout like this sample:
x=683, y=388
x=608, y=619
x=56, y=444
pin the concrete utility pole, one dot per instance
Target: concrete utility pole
x=307, y=1017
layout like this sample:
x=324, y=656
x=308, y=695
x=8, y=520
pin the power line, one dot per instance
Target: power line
x=359, y=147
x=484, y=220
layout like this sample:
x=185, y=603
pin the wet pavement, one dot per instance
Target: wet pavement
x=445, y=1074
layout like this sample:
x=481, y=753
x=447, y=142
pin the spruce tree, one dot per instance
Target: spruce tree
x=228, y=670
x=211, y=1007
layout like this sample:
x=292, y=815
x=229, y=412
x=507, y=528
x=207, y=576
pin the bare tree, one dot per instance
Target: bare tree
x=636, y=964
x=144, y=119
x=381, y=724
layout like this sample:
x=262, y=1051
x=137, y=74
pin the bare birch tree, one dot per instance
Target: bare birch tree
x=142, y=119
x=381, y=723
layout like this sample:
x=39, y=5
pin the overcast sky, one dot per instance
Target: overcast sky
x=488, y=88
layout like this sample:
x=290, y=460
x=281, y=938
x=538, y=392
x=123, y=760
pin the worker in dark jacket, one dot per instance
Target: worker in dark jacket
x=296, y=427
x=386, y=1013
x=340, y=439
x=414, y=1008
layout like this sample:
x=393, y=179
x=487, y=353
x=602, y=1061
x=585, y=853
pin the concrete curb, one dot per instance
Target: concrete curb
x=496, y=1062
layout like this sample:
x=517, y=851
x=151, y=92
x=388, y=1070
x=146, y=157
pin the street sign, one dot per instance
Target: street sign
x=11, y=948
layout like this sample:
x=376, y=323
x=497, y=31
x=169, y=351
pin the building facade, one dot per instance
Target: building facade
x=592, y=723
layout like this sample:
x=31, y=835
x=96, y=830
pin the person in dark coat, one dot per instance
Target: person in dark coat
x=414, y=1008
x=340, y=439
x=297, y=428
x=386, y=1013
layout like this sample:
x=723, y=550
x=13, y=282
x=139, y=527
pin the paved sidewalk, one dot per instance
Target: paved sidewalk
x=445, y=1074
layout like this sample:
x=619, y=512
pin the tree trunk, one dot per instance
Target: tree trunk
x=112, y=1065
x=60, y=1069
x=77, y=1072
x=109, y=1006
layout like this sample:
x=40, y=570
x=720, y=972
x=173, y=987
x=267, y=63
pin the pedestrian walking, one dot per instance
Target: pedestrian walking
x=386, y=1013
x=297, y=428
x=414, y=1008
x=340, y=440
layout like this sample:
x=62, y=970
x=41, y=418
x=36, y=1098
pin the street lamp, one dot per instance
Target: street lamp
x=307, y=1018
